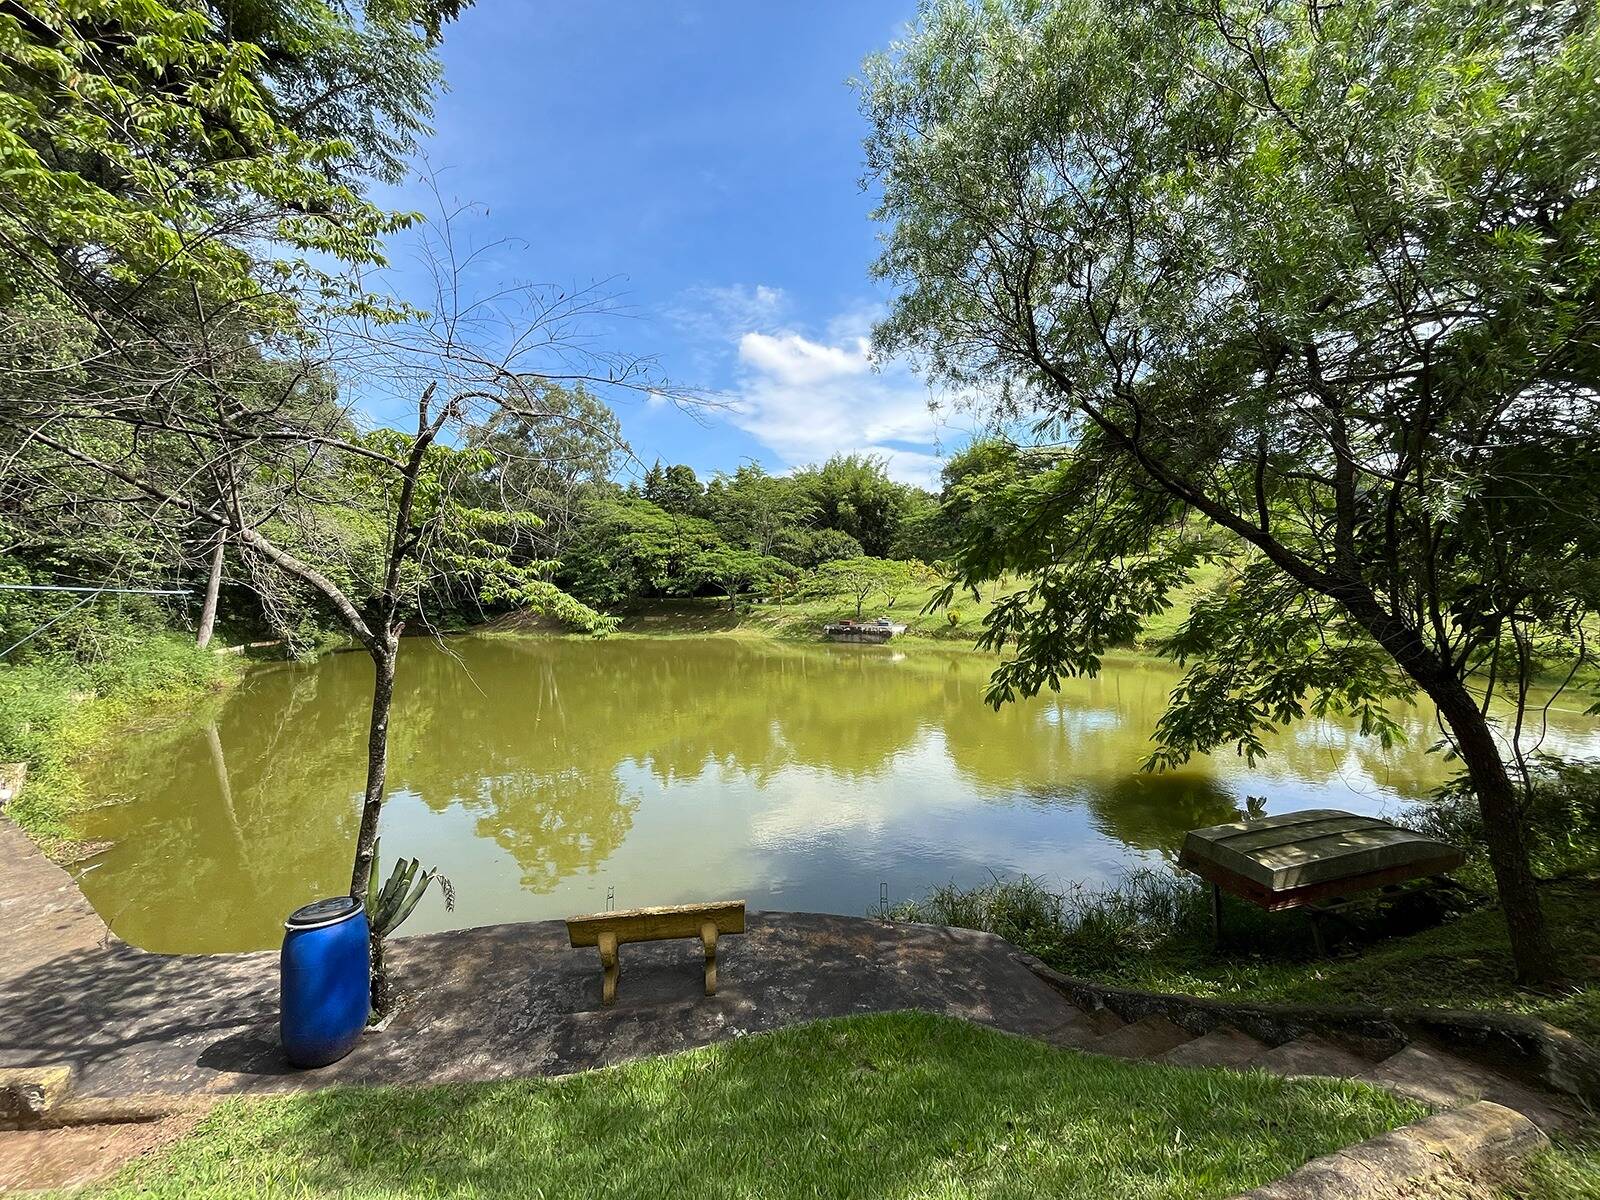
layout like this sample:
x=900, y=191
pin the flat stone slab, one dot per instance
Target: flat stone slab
x=1438, y=1156
x=498, y=1002
x=1222, y=1047
x=489, y=1003
x=1443, y=1080
x=1148, y=1037
x=1312, y=1054
x=43, y=912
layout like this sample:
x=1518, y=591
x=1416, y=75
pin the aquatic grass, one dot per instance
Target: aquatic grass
x=54, y=709
x=1086, y=929
x=898, y=1105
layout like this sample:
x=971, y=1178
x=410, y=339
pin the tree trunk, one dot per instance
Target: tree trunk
x=208, y=612
x=1503, y=830
x=382, y=993
x=383, y=659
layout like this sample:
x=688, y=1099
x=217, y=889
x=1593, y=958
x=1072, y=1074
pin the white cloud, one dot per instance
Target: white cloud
x=792, y=359
x=710, y=312
x=807, y=398
x=808, y=401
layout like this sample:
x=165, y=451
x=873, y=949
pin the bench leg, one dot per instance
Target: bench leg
x=608, y=963
x=708, y=935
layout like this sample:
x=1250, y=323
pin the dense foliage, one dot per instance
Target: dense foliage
x=1313, y=283
x=178, y=178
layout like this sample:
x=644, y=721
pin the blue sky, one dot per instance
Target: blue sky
x=706, y=158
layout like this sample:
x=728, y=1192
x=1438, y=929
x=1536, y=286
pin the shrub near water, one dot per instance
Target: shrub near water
x=1082, y=930
x=1562, y=814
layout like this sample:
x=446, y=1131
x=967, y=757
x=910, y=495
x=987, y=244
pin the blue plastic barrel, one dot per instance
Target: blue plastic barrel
x=326, y=990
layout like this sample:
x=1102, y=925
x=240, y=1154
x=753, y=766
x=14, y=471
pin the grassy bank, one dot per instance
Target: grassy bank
x=793, y=620
x=55, y=709
x=802, y=618
x=897, y=1105
x=1153, y=932
x=787, y=621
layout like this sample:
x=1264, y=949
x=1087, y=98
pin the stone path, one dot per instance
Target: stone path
x=515, y=1000
x=500, y=1001
x=486, y=1003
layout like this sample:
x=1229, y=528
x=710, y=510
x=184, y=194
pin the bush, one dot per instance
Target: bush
x=1562, y=812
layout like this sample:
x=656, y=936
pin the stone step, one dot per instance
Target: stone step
x=28, y=1094
x=1148, y=1037
x=1224, y=1046
x=1312, y=1054
x=1442, y=1080
x=1081, y=1030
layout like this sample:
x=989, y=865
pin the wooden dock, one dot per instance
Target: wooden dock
x=861, y=631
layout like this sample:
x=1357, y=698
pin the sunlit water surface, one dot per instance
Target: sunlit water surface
x=539, y=774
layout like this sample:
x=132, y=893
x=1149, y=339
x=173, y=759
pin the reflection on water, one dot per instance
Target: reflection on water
x=539, y=773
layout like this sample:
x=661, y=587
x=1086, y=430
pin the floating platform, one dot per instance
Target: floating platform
x=861, y=631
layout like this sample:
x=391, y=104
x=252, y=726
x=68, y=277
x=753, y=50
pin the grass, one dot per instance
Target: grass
x=1569, y=1170
x=55, y=709
x=1152, y=932
x=901, y=1105
x=801, y=619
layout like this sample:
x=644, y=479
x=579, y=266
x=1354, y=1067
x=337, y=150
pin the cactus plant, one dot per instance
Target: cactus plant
x=389, y=906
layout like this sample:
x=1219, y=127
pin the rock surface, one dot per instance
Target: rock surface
x=489, y=1003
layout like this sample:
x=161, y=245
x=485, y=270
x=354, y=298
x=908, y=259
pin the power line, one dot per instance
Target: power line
x=95, y=591
x=89, y=593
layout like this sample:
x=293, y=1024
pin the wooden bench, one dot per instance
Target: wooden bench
x=609, y=930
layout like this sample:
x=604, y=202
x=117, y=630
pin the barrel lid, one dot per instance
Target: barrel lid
x=323, y=912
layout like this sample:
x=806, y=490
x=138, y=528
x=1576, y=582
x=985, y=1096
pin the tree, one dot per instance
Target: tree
x=735, y=572
x=284, y=473
x=853, y=493
x=1315, y=279
x=864, y=577
x=934, y=530
x=628, y=548
x=753, y=509
x=811, y=547
x=360, y=75
x=547, y=459
x=168, y=165
x=232, y=150
x=675, y=489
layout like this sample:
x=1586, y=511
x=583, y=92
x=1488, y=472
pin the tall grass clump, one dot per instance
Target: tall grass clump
x=1090, y=930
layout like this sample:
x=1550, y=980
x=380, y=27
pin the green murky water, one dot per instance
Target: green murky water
x=541, y=774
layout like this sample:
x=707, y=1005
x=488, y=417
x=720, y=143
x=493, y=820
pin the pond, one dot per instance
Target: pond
x=546, y=775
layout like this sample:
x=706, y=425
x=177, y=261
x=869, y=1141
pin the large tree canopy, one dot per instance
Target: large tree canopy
x=1320, y=278
x=150, y=143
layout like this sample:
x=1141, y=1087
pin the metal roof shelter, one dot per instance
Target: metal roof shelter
x=1303, y=859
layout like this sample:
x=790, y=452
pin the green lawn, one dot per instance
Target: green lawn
x=904, y=1105
x=1464, y=964
x=802, y=620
